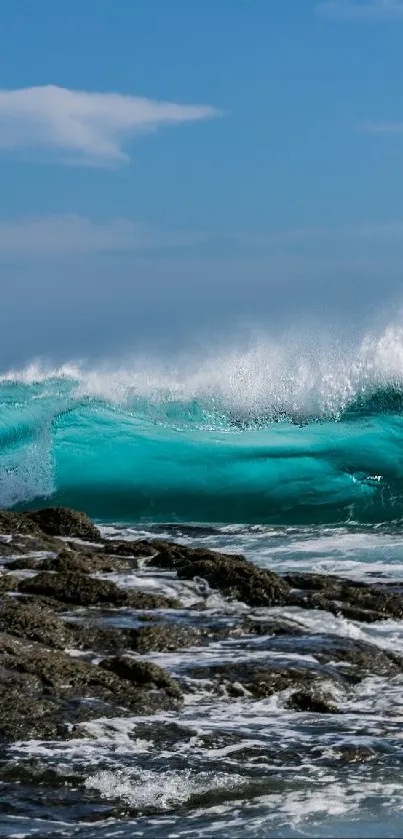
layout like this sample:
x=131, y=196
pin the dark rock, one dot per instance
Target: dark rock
x=366, y=659
x=134, y=548
x=311, y=701
x=155, y=638
x=8, y=582
x=354, y=600
x=83, y=590
x=23, y=563
x=141, y=672
x=98, y=638
x=354, y=753
x=352, y=658
x=234, y=576
x=60, y=521
x=25, y=712
x=271, y=626
x=259, y=680
x=170, y=554
x=138, y=599
x=161, y=638
x=238, y=579
x=12, y=523
x=27, y=544
x=74, y=587
x=56, y=606
x=33, y=621
x=42, y=690
x=86, y=562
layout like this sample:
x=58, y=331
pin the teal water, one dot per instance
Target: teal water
x=128, y=456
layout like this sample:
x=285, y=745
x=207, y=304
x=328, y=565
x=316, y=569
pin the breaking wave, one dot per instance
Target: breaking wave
x=274, y=433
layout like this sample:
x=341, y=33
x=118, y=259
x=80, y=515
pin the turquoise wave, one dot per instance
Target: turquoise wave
x=198, y=454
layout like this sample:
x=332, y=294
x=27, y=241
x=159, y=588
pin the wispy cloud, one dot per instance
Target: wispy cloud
x=361, y=9
x=83, y=127
x=384, y=127
x=61, y=235
x=72, y=234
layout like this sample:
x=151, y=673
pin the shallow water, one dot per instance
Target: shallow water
x=240, y=767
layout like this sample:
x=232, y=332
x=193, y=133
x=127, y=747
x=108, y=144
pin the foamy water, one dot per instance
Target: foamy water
x=234, y=767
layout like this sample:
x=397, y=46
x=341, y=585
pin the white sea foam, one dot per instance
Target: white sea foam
x=296, y=374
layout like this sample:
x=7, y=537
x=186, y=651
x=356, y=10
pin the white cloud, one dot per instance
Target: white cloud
x=64, y=234
x=361, y=9
x=89, y=127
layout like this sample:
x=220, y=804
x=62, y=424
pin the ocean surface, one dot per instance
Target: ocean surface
x=295, y=458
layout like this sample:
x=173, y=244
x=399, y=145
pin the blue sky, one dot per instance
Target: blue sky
x=174, y=167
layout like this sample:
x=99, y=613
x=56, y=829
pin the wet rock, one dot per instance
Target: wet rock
x=133, y=548
x=86, y=562
x=138, y=599
x=162, y=638
x=234, y=576
x=23, y=563
x=29, y=544
x=33, y=621
x=142, y=673
x=56, y=606
x=258, y=681
x=61, y=521
x=366, y=659
x=311, y=700
x=170, y=555
x=98, y=638
x=355, y=753
x=271, y=626
x=25, y=713
x=239, y=579
x=355, y=600
x=352, y=658
x=13, y=523
x=8, y=582
x=155, y=638
x=7, y=549
x=74, y=587
x=54, y=685
x=82, y=590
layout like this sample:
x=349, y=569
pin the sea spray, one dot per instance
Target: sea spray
x=299, y=432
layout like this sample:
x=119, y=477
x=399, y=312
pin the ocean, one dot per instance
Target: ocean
x=290, y=455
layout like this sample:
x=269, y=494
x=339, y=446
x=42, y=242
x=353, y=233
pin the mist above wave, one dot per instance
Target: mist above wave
x=297, y=376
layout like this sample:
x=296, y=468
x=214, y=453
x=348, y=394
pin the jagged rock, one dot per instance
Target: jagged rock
x=162, y=638
x=312, y=700
x=82, y=590
x=271, y=626
x=74, y=587
x=138, y=599
x=44, y=690
x=86, y=562
x=61, y=521
x=134, y=548
x=8, y=582
x=33, y=621
x=260, y=680
x=142, y=673
x=354, y=600
x=13, y=523
x=234, y=576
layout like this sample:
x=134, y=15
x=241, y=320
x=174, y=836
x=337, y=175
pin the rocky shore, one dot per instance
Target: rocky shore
x=75, y=644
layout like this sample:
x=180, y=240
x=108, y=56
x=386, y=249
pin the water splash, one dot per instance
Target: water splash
x=299, y=431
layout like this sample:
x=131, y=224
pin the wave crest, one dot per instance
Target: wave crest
x=275, y=432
